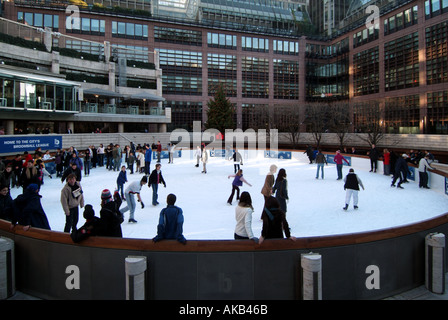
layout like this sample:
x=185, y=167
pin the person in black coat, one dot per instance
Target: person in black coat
x=28, y=210
x=274, y=222
x=90, y=228
x=6, y=204
x=156, y=178
x=30, y=174
x=73, y=168
x=401, y=171
x=110, y=215
x=374, y=155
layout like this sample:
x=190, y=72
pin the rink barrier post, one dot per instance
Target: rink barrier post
x=435, y=262
x=135, y=277
x=7, y=273
x=311, y=276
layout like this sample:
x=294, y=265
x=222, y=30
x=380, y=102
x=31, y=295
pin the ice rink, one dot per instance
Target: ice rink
x=314, y=208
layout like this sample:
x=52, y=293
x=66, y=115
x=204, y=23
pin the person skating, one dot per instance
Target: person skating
x=236, y=184
x=133, y=188
x=351, y=186
x=423, y=167
x=156, y=178
x=401, y=170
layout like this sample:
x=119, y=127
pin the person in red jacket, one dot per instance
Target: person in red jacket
x=338, y=160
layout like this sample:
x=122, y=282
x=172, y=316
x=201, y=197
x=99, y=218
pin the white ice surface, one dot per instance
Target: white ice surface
x=314, y=208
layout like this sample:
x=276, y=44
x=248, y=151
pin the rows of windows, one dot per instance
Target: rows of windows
x=221, y=40
x=437, y=53
x=39, y=20
x=129, y=30
x=401, y=20
x=366, y=72
x=255, y=44
x=180, y=36
x=286, y=47
x=365, y=36
x=401, y=64
x=402, y=114
x=85, y=26
x=435, y=7
x=437, y=116
x=286, y=79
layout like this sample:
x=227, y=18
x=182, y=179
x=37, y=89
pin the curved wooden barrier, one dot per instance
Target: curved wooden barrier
x=223, y=269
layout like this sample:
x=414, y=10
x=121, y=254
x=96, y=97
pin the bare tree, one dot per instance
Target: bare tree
x=287, y=119
x=317, y=120
x=368, y=119
x=339, y=120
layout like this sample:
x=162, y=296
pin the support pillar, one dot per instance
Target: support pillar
x=135, y=277
x=7, y=269
x=435, y=262
x=312, y=276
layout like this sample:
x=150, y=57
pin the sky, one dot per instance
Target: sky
x=314, y=208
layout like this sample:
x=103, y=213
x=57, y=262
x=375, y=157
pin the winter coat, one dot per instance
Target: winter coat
x=170, y=225
x=243, y=216
x=122, y=179
x=111, y=219
x=156, y=178
x=423, y=165
x=268, y=183
x=6, y=207
x=274, y=223
x=68, y=200
x=352, y=181
x=28, y=210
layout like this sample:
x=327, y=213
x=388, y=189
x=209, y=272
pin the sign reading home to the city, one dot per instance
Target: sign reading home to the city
x=21, y=143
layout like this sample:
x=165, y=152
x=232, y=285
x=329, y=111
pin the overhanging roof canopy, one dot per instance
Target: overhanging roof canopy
x=102, y=92
x=145, y=95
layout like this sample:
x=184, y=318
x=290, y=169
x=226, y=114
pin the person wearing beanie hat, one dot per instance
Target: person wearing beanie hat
x=352, y=183
x=90, y=228
x=106, y=196
x=71, y=199
x=110, y=215
x=28, y=210
x=401, y=171
x=134, y=188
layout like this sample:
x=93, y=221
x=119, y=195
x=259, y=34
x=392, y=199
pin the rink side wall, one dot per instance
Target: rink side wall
x=227, y=269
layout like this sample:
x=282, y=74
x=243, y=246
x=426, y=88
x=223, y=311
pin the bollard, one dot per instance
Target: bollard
x=7, y=273
x=435, y=262
x=135, y=277
x=312, y=276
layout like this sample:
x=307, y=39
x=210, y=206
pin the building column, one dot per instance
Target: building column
x=162, y=127
x=9, y=127
x=121, y=127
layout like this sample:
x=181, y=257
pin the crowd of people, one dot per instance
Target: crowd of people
x=28, y=171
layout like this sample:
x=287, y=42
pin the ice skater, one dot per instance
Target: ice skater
x=352, y=184
x=269, y=181
x=236, y=184
x=237, y=160
x=281, y=189
x=156, y=178
x=134, y=188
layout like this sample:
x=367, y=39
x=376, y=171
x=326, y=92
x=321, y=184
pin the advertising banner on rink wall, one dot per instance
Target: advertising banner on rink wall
x=21, y=143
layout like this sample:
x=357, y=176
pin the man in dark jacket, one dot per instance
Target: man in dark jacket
x=374, y=155
x=28, y=210
x=171, y=222
x=156, y=178
x=352, y=183
x=401, y=171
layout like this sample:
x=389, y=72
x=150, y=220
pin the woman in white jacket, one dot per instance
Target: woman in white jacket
x=243, y=216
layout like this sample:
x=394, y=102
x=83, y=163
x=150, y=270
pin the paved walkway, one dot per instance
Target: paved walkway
x=419, y=293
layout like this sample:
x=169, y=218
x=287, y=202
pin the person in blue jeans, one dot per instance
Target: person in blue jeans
x=320, y=160
x=121, y=180
x=156, y=178
x=134, y=188
x=338, y=160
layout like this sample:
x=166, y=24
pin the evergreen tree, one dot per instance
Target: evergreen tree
x=220, y=112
